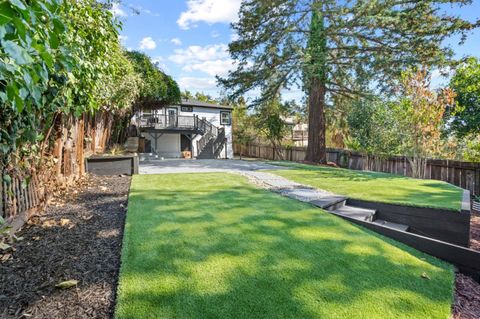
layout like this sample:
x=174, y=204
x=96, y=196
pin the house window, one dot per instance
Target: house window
x=225, y=118
x=187, y=108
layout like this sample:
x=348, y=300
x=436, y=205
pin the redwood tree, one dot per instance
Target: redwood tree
x=323, y=46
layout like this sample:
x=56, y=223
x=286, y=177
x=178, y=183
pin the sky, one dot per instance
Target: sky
x=189, y=38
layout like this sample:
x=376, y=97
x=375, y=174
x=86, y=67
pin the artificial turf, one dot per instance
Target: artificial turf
x=375, y=186
x=214, y=246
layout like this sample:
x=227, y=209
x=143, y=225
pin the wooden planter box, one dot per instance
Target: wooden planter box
x=112, y=165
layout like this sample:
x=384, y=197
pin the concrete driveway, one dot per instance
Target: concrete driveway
x=170, y=166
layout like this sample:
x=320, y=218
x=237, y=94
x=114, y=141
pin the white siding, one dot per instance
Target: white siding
x=168, y=145
x=213, y=116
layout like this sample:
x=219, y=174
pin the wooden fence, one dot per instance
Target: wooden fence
x=463, y=174
x=20, y=197
x=74, y=139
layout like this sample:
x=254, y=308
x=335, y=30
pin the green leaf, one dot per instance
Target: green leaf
x=16, y=52
x=58, y=26
x=47, y=58
x=19, y=104
x=54, y=42
x=67, y=284
x=6, y=13
x=20, y=26
x=19, y=4
x=4, y=246
x=12, y=91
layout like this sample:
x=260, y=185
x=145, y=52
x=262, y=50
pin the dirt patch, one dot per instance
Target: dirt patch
x=78, y=240
x=467, y=298
x=467, y=290
x=475, y=231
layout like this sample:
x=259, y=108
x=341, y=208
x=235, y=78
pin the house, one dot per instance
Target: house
x=298, y=131
x=191, y=128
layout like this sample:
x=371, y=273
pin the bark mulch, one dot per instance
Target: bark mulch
x=77, y=240
x=467, y=290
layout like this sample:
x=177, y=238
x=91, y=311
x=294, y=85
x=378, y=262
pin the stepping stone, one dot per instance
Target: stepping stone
x=305, y=194
x=273, y=180
x=396, y=226
x=328, y=201
x=355, y=212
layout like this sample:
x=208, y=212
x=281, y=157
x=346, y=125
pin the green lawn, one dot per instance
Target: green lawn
x=373, y=186
x=214, y=246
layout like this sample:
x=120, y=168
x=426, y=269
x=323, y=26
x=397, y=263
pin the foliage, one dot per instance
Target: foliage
x=242, y=126
x=157, y=87
x=57, y=57
x=325, y=45
x=421, y=112
x=269, y=121
x=464, y=118
x=471, y=151
x=374, y=127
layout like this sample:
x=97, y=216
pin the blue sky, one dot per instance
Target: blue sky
x=189, y=38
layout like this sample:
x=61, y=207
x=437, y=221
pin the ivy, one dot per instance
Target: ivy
x=57, y=56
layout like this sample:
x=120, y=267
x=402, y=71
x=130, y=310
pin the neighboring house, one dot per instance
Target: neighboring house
x=204, y=129
x=298, y=131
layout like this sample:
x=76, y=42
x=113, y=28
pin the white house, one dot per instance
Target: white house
x=204, y=129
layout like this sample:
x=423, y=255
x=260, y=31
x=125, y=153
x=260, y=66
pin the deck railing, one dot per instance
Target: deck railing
x=165, y=121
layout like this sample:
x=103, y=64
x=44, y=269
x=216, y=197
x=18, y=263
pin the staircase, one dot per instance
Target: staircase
x=337, y=205
x=212, y=142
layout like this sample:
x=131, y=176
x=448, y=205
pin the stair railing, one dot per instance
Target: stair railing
x=209, y=130
x=219, y=142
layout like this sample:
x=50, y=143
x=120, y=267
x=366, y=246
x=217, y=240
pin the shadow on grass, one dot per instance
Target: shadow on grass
x=247, y=253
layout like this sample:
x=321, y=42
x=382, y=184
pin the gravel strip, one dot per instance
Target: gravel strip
x=78, y=240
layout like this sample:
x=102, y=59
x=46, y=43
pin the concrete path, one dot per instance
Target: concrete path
x=174, y=166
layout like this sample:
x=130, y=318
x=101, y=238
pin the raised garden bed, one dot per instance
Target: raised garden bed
x=112, y=164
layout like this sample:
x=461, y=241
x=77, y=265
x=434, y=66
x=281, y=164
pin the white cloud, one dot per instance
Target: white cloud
x=176, y=41
x=212, y=68
x=193, y=83
x=209, y=11
x=196, y=53
x=117, y=10
x=147, y=44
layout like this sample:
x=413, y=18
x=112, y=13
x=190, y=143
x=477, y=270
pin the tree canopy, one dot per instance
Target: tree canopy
x=63, y=57
x=324, y=46
x=464, y=118
x=157, y=88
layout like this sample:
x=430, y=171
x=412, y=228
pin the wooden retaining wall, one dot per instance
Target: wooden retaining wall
x=463, y=174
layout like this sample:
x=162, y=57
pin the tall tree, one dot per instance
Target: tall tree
x=464, y=118
x=324, y=45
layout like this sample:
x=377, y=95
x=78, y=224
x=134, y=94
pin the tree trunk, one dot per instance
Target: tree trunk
x=316, y=148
